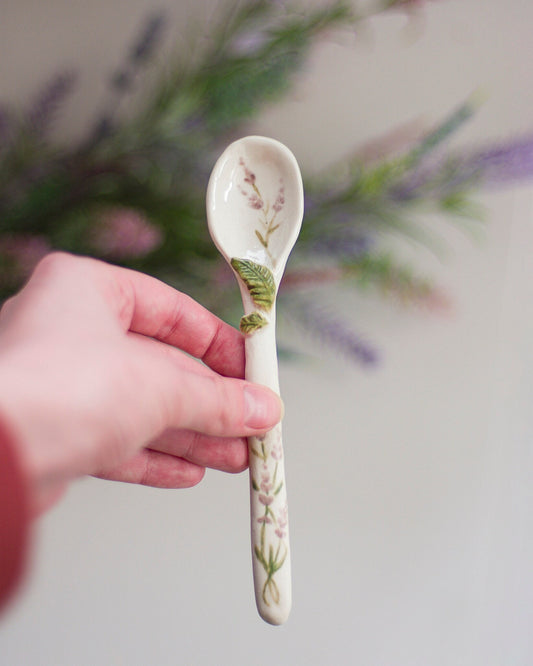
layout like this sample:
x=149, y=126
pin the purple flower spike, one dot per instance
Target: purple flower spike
x=124, y=233
x=250, y=43
x=149, y=38
x=331, y=330
x=49, y=100
x=502, y=164
x=5, y=123
x=345, y=244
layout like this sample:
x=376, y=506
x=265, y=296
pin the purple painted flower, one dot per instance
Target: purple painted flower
x=282, y=522
x=249, y=176
x=124, y=233
x=277, y=452
x=266, y=500
x=280, y=199
x=255, y=201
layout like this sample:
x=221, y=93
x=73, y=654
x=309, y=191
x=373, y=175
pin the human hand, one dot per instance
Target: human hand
x=94, y=380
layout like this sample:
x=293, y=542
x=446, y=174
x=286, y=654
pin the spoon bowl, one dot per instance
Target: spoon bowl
x=249, y=186
x=254, y=212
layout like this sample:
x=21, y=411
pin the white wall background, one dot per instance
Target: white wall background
x=409, y=486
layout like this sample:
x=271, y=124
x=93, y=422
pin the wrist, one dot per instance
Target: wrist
x=28, y=413
x=14, y=515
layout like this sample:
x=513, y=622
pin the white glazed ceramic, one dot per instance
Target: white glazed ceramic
x=254, y=211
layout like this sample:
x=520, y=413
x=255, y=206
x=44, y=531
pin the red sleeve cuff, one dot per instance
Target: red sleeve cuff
x=14, y=517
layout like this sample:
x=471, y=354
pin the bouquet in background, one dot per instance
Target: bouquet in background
x=132, y=190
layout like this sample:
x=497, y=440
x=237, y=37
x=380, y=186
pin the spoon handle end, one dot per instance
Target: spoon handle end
x=270, y=527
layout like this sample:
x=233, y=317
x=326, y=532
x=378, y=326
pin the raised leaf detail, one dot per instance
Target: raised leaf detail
x=252, y=322
x=258, y=280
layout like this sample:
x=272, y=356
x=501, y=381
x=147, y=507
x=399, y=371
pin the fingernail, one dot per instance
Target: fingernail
x=263, y=408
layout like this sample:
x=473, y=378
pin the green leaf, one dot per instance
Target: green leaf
x=260, y=557
x=258, y=280
x=278, y=565
x=252, y=322
x=261, y=239
x=254, y=484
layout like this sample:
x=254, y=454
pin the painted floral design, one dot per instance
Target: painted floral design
x=272, y=549
x=268, y=222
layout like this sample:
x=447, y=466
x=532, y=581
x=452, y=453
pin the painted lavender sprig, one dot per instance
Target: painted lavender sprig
x=268, y=222
x=271, y=551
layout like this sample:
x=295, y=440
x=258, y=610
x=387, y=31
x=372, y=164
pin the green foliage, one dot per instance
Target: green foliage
x=153, y=164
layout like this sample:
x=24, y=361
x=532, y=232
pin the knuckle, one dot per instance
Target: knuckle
x=54, y=264
x=239, y=458
x=54, y=260
x=7, y=305
x=229, y=407
x=171, y=325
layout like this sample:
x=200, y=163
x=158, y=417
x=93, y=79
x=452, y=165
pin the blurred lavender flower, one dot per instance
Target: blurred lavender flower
x=48, y=102
x=149, y=38
x=345, y=244
x=7, y=132
x=21, y=253
x=123, y=233
x=498, y=165
x=122, y=80
x=249, y=44
x=415, y=183
x=5, y=122
x=102, y=129
x=330, y=329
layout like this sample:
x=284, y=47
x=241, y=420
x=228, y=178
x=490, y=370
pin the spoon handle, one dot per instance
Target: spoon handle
x=268, y=494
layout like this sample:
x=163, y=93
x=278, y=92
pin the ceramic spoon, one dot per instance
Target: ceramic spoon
x=254, y=211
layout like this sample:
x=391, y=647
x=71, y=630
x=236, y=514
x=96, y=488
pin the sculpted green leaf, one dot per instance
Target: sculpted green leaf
x=252, y=322
x=259, y=281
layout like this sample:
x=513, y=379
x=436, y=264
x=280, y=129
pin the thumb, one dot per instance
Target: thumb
x=166, y=389
x=221, y=406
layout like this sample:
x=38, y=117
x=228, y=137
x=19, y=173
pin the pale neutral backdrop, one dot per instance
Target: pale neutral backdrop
x=409, y=485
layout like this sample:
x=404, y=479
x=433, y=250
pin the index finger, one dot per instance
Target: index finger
x=150, y=307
